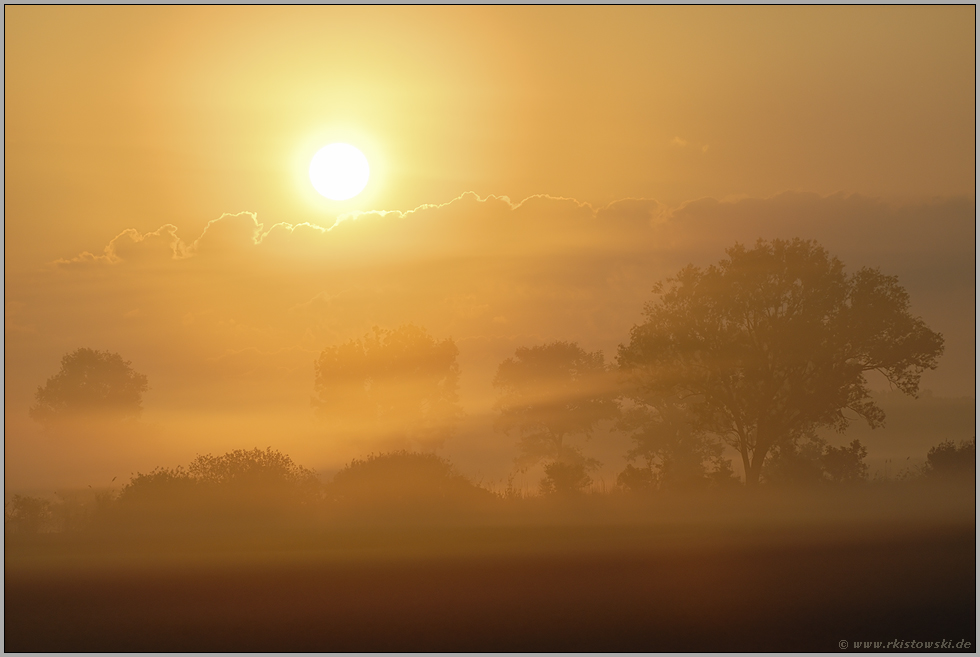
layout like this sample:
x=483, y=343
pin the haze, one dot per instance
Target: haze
x=535, y=171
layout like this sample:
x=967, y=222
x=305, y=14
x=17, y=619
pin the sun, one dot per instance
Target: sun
x=339, y=171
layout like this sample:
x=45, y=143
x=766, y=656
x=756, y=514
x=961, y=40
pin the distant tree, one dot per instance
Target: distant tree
x=947, y=460
x=399, y=381
x=636, y=480
x=27, y=515
x=796, y=462
x=811, y=461
x=677, y=453
x=775, y=341
x=90, y=383
x=549, y=393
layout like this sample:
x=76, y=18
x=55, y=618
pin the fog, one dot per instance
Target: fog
x=227, y=326
x=653, y=329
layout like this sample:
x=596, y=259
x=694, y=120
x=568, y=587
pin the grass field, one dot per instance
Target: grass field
x=678, y=581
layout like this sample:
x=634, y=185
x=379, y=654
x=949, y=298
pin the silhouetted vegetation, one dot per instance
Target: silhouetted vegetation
x=548, y=393
x=90, y=383
x=564, y=478
x=949, y=461
x=756, y=353
x=845, y=464
x=402, y=482
x=678, y=455
x=773, y=342
x=399, y=382
x=243, y=485
x=811, y=460
x=27, y=515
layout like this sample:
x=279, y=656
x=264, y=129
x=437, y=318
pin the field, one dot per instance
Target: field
x=585, y=579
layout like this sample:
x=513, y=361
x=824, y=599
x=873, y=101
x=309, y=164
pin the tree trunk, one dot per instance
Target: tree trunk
x=750, y=480
x=753, y=470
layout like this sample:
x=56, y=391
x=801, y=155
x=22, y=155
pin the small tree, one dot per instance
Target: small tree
x=774, y=342
x=845, y=465
x=391, y=382
x=550, y=392
x=564, y=478
x=797, y=462
x=27, y=515
x=90, y=383
x=677, y=453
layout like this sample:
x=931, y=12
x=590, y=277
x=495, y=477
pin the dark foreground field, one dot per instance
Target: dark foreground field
x=668, y=587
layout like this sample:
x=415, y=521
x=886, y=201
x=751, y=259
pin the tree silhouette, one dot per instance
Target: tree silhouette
x=90, y=383
x=797, y=462
x=845, y=465
x=678, y=454
x=548, y=393
x=396, y=382
x=811, y=461
x=774, y=341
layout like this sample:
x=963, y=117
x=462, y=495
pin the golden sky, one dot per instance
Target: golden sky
x=541, y=168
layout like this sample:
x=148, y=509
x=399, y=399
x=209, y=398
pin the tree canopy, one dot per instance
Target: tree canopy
x=774, y=341
x=90, y=383
x=390, y=382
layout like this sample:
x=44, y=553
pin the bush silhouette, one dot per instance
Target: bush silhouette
x=27, y=515
x=845, y=465
x=636, y=480
x=401, y=479
x=811, y=461
x=564, y=478
x=950, y=461
x=242, y=485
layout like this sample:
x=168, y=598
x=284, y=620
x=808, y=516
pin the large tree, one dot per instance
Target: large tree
x=550, y=392
x=90, y=383
x=774, y=341
x=396, y=383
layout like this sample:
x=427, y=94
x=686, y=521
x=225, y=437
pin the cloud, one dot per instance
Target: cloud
x=466, y=225
x=131, y=246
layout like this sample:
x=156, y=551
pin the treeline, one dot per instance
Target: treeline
x=753, y=355
x=264, y=489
